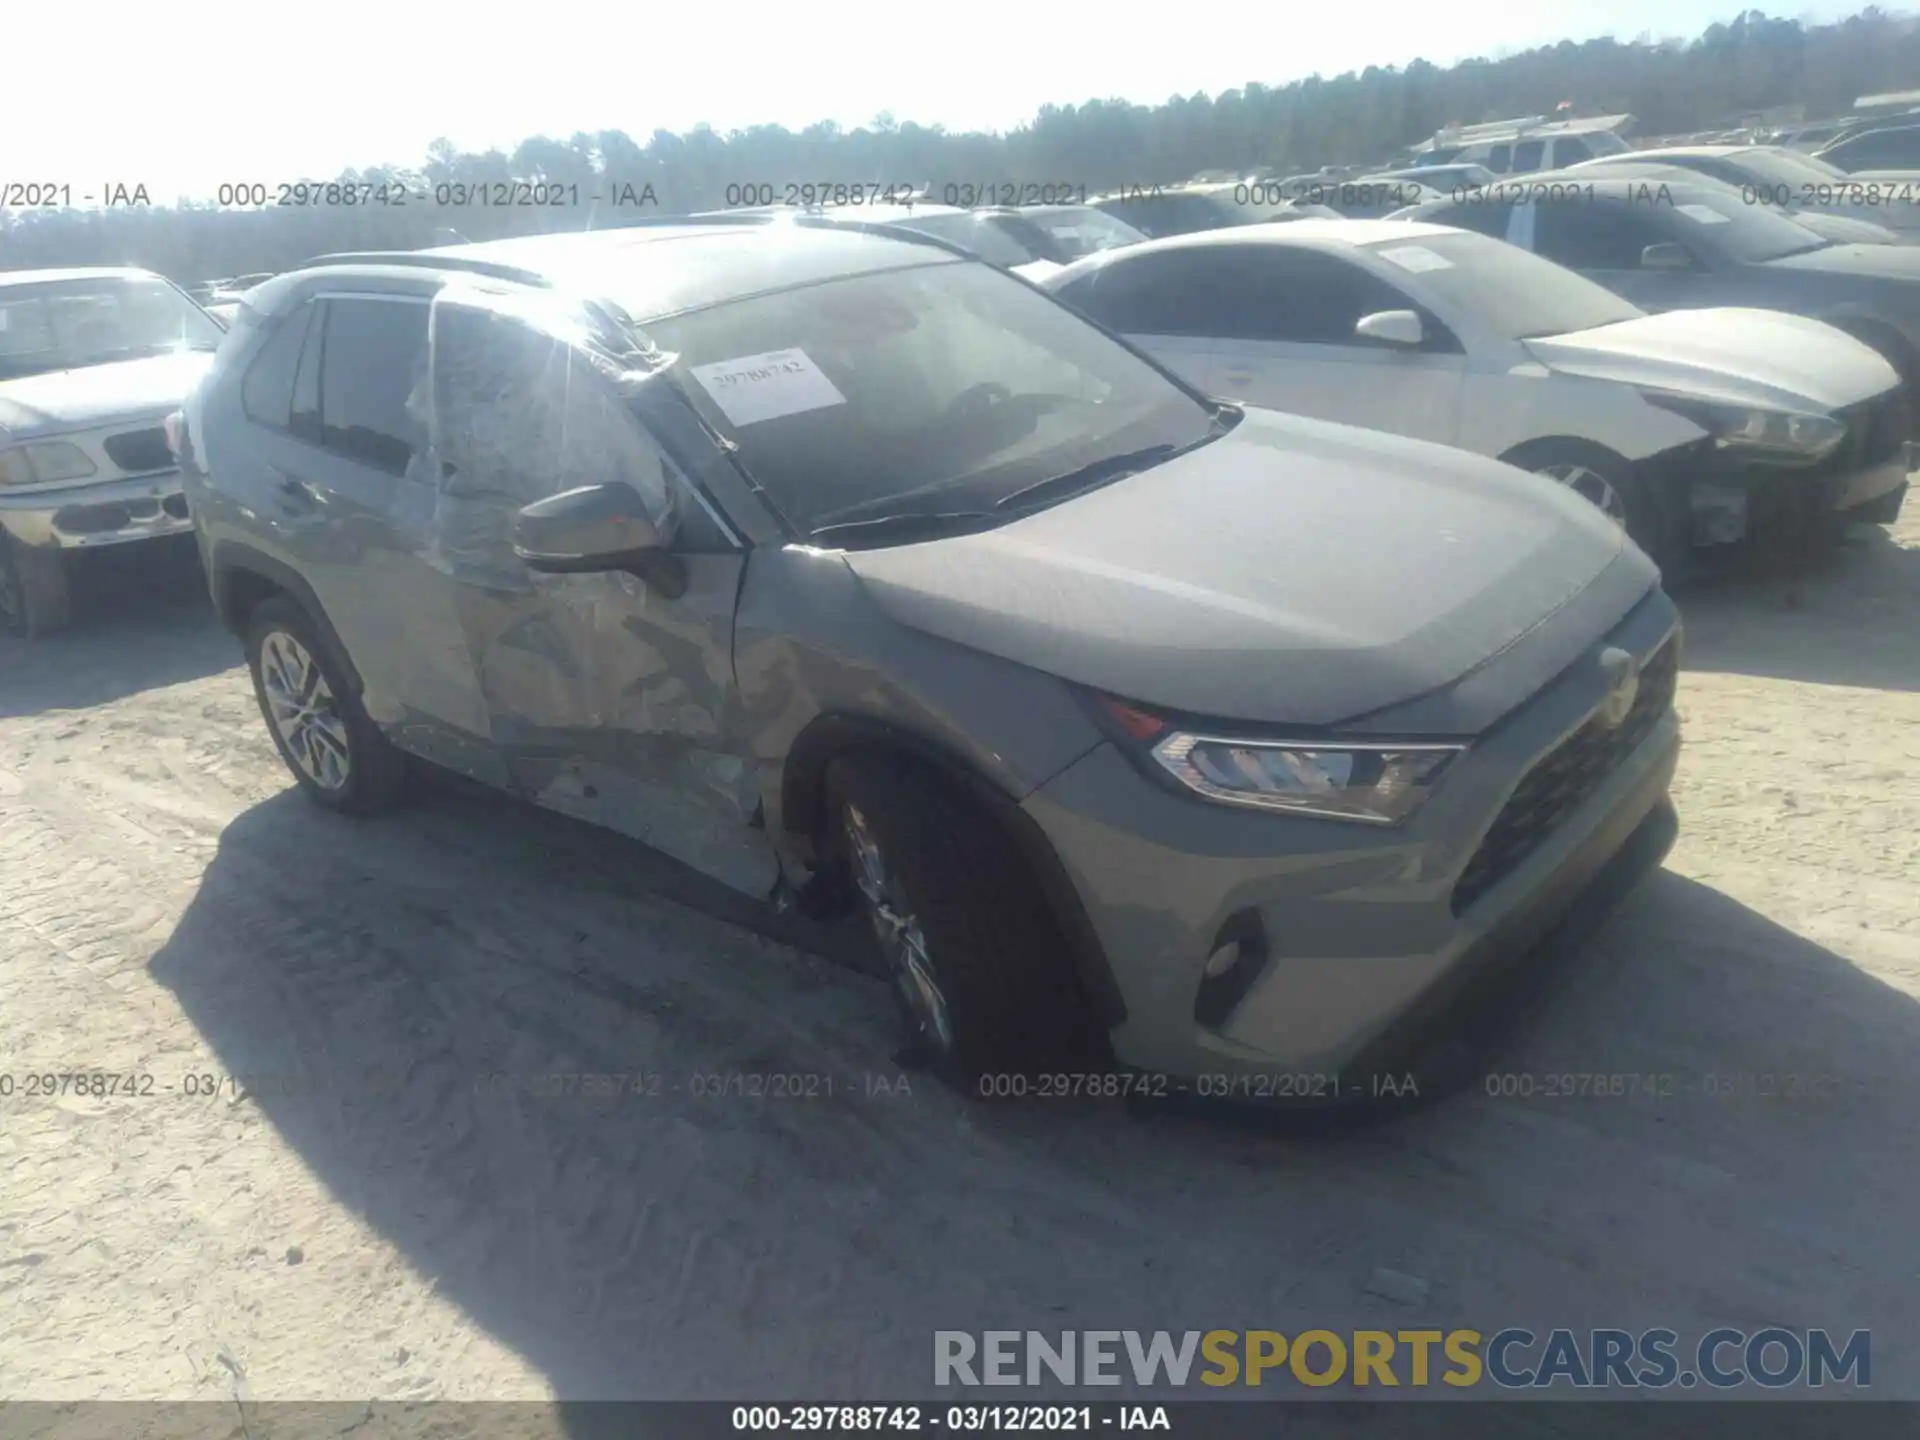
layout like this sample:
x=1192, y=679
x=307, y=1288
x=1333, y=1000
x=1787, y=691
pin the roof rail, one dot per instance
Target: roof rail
x=430, y=260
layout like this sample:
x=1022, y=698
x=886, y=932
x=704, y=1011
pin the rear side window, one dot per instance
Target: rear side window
x=1527, y=155
x=1570, y=150
x=1588, y=236
x=266, y=393
x=373, y=353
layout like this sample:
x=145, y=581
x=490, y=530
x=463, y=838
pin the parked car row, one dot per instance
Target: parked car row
x=1138, y=724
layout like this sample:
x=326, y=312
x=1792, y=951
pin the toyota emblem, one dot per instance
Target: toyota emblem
x=1622, y=673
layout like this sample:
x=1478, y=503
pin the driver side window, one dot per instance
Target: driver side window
x=1594, y=236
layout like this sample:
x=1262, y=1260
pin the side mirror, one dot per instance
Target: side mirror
x=593, y=529
x=1667, y=255
x=1392, y=327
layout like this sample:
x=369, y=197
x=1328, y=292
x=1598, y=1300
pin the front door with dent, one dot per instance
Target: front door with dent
x=611, y=695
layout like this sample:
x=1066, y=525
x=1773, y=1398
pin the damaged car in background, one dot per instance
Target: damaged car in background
x=92, y=361
x=1697, y=428
x=848, y=569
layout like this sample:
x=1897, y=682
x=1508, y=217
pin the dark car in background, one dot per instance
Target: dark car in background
x=1669, y=247
x=1773, y=175
x=1892, y=147
x=1837, y=226
x=1119, y=714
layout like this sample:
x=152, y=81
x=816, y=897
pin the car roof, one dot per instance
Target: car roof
x=1622, y=187
x=1877, y=130
x=1314, y=233
x=653, y=270
x=1156, y=192
x=75, y=272
x=1704, y=152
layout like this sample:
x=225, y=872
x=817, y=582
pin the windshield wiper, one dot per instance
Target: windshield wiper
x=905, y=527
x=1086, y=477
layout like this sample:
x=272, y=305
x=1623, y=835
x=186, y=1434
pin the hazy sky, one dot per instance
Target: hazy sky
x=185, y=95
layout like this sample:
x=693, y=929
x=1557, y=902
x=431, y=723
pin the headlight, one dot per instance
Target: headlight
x=54, y=460
x=1788, y=435
x=1375, y=784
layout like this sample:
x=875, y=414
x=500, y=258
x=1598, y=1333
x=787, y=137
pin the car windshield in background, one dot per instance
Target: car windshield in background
x=1720, y=219
x=1511, y=291
x=70, y=324
x=1176, y=214
x=976, y=232
x=1784, y=168
x=939, y=389
x=1083, y=230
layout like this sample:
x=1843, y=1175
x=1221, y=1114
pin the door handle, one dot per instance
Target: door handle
x=296, y=496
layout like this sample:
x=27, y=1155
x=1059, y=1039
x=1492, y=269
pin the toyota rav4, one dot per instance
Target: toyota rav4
x=846, y=568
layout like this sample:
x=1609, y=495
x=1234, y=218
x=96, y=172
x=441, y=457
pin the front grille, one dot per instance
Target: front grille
x=1561, y=782
x=139, y=450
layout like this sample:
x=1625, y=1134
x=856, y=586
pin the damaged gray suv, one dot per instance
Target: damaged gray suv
x=849, y=569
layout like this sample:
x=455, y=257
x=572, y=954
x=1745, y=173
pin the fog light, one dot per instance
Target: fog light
x=1222, y=960
x=1238, y=957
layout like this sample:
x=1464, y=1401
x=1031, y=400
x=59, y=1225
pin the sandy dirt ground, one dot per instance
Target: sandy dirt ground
x=378, y=1218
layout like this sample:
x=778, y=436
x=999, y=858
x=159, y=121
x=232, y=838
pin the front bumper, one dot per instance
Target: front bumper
x=1361, y=926
x=115, y=512
x=1731, y=504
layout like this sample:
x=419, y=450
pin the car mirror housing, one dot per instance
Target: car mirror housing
x=595, y=527
x=1667, y=255
x=1394, y=327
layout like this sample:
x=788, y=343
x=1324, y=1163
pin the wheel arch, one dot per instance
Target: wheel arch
x=242, y=577
x=834, y=735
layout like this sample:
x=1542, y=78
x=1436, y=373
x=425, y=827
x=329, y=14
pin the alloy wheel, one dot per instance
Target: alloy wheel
x=901, y=938
x=304, y=711
x=1592, y=487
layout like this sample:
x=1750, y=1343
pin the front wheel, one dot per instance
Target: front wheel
x=964, y=934
x=35, y=590
x=338, y=755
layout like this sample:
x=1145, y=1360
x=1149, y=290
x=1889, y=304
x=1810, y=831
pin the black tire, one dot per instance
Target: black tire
x=1651, y=519
x=36, y=597
x=374, y=772
x=990, y=943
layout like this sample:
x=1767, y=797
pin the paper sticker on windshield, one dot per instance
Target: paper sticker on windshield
x=1705, y=214
x=767, y=386
x=1416, y=258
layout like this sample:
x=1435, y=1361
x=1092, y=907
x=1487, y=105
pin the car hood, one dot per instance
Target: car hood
x=1880, y=262
x=67, y=400
x=1741, y=357
x=1292, y=571
x=1846, y=226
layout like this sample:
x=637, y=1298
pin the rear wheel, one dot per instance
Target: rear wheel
x=335, y=752
x=35, y=595
x=963, y=932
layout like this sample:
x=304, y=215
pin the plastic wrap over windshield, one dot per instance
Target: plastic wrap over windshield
x=527, y=394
